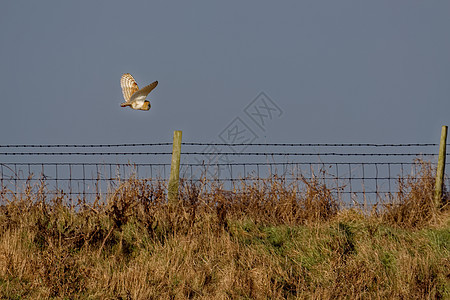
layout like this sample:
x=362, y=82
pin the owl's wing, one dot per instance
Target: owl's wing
x=142, y=93
x=129, y=86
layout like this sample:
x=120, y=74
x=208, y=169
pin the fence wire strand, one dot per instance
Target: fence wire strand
x=209, y=153
x=218, y=144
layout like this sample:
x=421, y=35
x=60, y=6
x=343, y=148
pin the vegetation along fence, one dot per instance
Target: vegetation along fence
x=354, y=172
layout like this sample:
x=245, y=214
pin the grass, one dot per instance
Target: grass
x=270, y=241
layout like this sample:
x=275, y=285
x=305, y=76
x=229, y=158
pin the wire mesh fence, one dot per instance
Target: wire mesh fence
x=355, y=173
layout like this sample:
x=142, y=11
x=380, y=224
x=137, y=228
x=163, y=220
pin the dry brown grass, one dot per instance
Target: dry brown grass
x=257, y=242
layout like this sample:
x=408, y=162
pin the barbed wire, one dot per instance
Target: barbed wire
x=84, y=153
x=86, y=146
x=218, y=144
x=314, y=144
x=219, y=153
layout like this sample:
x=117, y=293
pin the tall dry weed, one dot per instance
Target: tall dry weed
x=413, y=205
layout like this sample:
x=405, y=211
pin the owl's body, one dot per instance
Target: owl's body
x=135, y=97
x=137, y=104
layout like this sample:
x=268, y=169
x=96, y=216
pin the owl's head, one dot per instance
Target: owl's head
x=146, y=105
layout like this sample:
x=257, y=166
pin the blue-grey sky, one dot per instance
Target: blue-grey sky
x=340, y=71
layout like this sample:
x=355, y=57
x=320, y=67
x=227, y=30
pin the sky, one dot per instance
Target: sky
x=285, y=71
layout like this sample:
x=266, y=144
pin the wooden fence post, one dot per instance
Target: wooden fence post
x=174, y=179
x=440, y=168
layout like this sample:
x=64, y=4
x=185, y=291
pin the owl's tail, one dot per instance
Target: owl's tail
x=125, y=104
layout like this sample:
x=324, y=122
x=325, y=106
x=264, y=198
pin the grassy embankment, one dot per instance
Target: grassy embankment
x=268, y=241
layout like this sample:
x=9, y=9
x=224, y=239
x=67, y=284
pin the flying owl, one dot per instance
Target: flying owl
x=135, y=97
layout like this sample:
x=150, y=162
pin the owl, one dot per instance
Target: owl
x=135, y=97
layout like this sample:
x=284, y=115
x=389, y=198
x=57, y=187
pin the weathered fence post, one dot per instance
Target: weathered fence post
x=175, y=168
x=440, y=168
